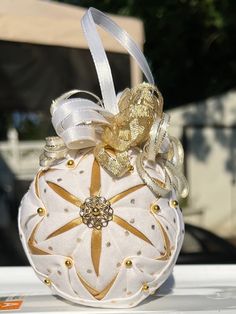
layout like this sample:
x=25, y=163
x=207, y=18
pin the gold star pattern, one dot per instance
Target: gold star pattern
x=99, y=208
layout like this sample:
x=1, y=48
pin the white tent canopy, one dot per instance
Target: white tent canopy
x=56, y=24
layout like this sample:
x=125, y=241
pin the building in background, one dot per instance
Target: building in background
x=208, y=132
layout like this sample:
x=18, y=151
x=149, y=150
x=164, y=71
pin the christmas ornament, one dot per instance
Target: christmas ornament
x=101, y=223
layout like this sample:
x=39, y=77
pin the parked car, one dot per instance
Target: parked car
x=204, y=247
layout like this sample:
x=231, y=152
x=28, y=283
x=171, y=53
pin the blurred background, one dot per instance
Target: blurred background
x=191, y=48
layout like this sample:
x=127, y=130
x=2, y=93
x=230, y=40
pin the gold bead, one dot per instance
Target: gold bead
x=173, y=203
x=95, y=211
x=70, y=163
x=41, y=211
x=145, y=287
x=128, y=263
x=47, y=281
x=131, y=168
x=69, y=263
x=155, y=208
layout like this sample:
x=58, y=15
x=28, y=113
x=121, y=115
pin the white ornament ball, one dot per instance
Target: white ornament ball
x=97, y=240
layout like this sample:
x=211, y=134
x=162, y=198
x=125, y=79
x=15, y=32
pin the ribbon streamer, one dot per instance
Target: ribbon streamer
x=168, y=153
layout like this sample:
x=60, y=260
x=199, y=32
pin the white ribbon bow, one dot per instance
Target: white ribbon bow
x=79, y=121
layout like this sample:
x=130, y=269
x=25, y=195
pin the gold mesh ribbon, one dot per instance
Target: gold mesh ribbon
x=138, y=108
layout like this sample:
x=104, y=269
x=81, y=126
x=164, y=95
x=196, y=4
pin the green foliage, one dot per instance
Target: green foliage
x=190, y=45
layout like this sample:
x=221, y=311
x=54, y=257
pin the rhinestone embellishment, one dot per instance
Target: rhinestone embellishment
x=96, y=212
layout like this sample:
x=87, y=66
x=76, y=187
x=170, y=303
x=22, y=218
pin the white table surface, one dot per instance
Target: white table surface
x=193, y=289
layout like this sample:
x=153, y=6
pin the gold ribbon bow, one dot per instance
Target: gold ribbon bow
x=141, y=123
x=138, y=108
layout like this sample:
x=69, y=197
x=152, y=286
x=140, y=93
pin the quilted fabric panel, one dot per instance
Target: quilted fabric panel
x=115, y=265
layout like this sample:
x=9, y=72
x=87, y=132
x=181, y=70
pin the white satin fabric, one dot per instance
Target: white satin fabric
x=118, y=245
